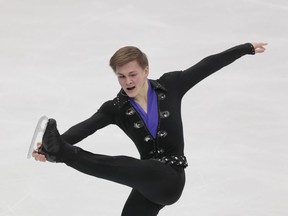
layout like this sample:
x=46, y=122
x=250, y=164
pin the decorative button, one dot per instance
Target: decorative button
x=147, y=138
x=130, y=111
x=138, y=124
x=160, y=151
x=164, y=114
x=161, y=96
x=157, y=152
x=162, y=134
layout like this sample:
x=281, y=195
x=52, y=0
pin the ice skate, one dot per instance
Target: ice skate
x=37, y=136
x=51, y=142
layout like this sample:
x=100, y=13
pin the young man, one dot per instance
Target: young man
x=149, y=112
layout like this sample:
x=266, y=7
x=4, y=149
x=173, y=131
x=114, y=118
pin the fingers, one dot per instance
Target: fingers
x=39, y=145
x=259, y=47
x=37, y=156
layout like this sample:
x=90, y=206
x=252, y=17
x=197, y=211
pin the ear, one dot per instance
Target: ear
x=146, y=70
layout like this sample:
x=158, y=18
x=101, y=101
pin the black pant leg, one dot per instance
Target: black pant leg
x=158, y=182
x=139, y=205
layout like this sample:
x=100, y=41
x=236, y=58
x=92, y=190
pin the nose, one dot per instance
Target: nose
x=128, y=81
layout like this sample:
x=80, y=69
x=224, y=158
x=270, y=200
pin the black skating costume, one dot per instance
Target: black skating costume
x=158, y=178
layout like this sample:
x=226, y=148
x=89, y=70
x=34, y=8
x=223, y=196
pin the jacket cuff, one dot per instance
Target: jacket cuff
x=252, y=49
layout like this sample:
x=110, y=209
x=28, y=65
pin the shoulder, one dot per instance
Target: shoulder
x=169, y=78
x=106, y=106
x=113, y=104
x=169, y=75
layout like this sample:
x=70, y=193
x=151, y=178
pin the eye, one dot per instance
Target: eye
x=120, y=77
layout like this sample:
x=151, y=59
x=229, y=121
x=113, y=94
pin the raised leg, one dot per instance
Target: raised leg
x=158, y=182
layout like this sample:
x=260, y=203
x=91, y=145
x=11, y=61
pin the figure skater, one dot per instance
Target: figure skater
x=149, y=112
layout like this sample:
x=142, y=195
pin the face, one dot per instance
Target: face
x=133, y=79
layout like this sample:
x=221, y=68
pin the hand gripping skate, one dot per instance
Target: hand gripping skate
x=38, y=134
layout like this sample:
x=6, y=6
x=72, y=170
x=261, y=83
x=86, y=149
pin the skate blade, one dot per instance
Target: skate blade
x=38, y=134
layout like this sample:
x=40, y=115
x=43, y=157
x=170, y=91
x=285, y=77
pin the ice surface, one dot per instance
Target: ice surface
x=54, y=61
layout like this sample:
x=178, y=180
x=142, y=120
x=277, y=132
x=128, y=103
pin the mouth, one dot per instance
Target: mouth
x=130, y=88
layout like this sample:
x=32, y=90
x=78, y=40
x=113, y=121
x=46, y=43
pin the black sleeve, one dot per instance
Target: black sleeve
x=103, y=117
x=184, y=80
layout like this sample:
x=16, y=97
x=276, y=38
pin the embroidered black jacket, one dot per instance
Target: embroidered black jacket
x=170, y=88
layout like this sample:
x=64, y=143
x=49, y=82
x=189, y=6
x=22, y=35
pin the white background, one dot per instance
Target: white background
x=54, y=60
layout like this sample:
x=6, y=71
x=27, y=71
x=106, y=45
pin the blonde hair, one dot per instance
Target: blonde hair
x=127, y=54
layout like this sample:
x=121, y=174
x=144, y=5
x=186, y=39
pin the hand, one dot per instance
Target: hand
x=37, y=156
x=259, y=47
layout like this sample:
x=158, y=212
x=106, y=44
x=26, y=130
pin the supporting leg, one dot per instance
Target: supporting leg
x=137, y=204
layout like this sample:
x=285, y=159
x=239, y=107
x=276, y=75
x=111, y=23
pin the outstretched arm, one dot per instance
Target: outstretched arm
x=207, y=66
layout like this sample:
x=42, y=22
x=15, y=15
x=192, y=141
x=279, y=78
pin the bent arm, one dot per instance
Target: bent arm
x=80, y=131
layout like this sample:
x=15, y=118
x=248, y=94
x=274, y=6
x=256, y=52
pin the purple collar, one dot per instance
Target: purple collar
x=151, y=117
